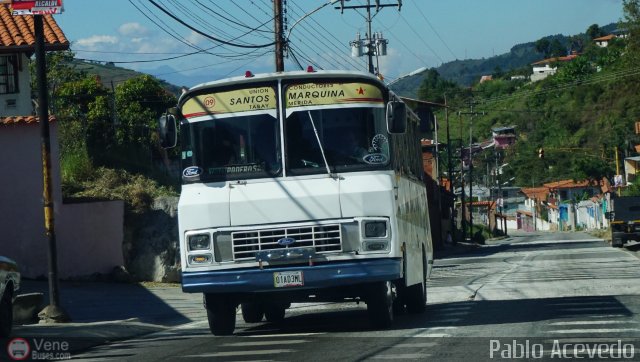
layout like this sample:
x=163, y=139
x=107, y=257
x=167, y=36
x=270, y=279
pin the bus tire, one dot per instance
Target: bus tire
x=416, y=295
x=275, y=312
x=6, y=313
x=252, y=312
x=221, y=313
x=617, y=243
x=380, y=304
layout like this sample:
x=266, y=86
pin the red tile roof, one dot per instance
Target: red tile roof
x=17, y=34
x=536, y=192
x=7, y=121
x=556, y=59
x=567, y=184
x=605, y=38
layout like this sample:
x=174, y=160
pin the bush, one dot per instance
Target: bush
x=137, y=191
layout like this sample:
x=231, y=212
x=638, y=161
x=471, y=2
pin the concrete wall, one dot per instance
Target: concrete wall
x=89, y=236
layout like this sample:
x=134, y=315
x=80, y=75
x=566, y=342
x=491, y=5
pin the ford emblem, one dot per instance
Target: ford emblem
x=286, y=241
x=193, y=171
x=375, y=159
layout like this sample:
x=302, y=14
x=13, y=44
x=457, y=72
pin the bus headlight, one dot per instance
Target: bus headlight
x=199, y=242
x=375, y=229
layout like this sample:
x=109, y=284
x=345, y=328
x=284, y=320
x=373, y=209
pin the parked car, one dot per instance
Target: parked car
x=9, y=285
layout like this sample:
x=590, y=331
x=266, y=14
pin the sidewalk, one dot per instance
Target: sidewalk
x=104, y=312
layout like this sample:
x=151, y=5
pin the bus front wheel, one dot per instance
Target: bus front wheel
x=380, y=304
x=221, y=313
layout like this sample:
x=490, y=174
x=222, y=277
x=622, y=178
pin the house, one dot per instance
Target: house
x=486, y=78
x=569, y=190
x=503, y=137
x=631, y=171
x=564, y=205
x=603, y=41
x=547, y=67
x=89, y=235
x=529, y=216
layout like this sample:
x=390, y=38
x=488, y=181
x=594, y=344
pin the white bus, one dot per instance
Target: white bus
x=298, y=187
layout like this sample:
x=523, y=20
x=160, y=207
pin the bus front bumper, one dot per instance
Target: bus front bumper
x=328, y=275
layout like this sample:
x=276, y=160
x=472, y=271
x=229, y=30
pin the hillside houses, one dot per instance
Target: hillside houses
x=564, y=205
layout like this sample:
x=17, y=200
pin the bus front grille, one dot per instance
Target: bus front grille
x=320, y=238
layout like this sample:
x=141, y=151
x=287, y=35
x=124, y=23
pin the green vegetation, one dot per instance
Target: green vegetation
x=580, y=116
x=108, y=143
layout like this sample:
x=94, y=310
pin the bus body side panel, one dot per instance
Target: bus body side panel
x=413, y=227
x=367, y=194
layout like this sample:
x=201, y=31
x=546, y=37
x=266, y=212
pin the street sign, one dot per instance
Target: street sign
x=37, y=7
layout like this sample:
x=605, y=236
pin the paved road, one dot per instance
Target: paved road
x=549, y=295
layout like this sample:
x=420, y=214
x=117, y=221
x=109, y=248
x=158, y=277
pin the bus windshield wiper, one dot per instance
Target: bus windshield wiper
x=315, y=130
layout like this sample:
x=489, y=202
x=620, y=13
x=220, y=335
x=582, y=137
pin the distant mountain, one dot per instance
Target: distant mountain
x=174, y=76
x=467, y=72
x=111, y=75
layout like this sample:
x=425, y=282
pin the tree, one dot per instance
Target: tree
x=139, y=102
x=543, y=46
x=556, y=49
x=594, y=31
x=433, y=87
x=631, y=11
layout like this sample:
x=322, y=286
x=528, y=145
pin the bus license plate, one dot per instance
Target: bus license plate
x=288, y=279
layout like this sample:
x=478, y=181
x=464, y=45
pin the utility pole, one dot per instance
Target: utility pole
x=278, y=28
x=463, y=222
x=472, y=114
x=449, y=161
x=374, y=43
x=52, y=312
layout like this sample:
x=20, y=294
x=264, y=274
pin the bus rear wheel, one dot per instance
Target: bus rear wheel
x=252, y=312
x=416, y=295
x=275, y=312
x=221, y=313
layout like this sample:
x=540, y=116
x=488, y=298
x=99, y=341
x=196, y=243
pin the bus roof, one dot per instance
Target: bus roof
x=284, y=75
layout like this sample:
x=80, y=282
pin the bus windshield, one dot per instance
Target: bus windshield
x=352, y=139
x=231, y=148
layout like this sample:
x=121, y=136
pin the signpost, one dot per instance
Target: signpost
x=52, y=312
x=37, y=7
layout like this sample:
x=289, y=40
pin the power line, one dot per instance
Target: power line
x=353, y=62
x=205, y=34
x=163, y=28
x=232, y=21
x=434, y=30
x=597, y=79
x=312, y=38
x=422, y=39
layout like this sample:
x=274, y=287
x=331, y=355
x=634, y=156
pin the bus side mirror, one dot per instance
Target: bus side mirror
x=396, y=117
x=168, y=130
